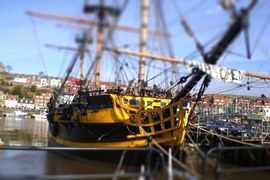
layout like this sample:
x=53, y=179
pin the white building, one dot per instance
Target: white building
x=43, y=82
x=55, y=82
x=20, y=80
x=11, y=101
x=25, y=104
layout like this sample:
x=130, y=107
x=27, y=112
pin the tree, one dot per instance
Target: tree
x=9, y=68
x=18, y=90
x=33, y=89
x=263, y=97
x=41, y=73
x=2, y=67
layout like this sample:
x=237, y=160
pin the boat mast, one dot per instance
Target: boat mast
x=143, y=38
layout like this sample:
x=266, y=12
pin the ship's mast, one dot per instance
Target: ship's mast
x=82, y=51
x=81, y=66
x=101, y=11
x=82, y=48
x=143, y=38
x=99, y=43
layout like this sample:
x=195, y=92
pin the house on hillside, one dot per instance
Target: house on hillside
x=20, y=80
x=25, y=103
x=42, y=100
x=11, y=101
x=33, y=80
x=55, y=82
x=44, y=82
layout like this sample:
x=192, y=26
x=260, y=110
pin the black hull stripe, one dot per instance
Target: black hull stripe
x=101, y=132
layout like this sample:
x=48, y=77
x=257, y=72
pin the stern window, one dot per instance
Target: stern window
x=125, y=101
x=134, y=102
x=162, y=104
x=149, y=103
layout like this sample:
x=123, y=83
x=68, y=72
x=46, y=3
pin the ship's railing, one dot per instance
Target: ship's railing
x=153, y=164
x=254, y=160
x=157, y=121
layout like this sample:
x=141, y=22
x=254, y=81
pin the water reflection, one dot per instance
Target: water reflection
x=21, y=163
x=23, y=132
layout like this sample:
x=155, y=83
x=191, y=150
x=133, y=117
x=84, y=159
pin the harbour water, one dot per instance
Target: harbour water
x=27, y=163
x=29, y=134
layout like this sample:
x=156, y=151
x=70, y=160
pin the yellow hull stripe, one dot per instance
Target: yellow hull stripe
x=121, y=144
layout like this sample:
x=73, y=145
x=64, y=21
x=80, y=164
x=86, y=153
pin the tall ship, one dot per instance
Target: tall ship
x=134, y=115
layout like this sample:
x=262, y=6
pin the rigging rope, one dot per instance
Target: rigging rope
x=34, y=29
x=261, y=33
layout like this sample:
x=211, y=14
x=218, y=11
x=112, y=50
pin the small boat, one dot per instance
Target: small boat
x=40, y=116
x=20, y=114
x=9, y=115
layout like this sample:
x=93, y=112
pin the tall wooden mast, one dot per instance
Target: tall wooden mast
x=101, y=11
x=99, y=43
x=143, y=37
x=82, y=48
x=81, y=67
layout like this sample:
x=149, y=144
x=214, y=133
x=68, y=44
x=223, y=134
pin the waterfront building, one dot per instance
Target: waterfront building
x=11, y=101
x=42, y=100
x=23, y=103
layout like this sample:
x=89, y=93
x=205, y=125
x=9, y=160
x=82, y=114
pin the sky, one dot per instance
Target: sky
x=23, y=38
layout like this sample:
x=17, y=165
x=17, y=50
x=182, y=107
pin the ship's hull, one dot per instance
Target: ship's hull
x=117, y=125
x=103, y=135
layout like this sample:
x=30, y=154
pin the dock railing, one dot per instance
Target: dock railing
x=217, y=168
